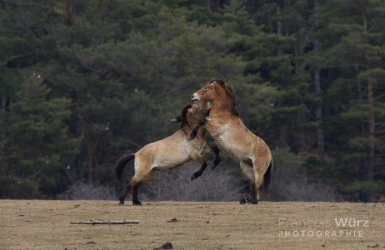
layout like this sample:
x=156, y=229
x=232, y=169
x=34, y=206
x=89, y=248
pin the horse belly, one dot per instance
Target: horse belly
x=170, y=162
x=231, y=148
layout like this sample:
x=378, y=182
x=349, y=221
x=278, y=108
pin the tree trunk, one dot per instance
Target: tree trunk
x=296, y=56
x=370, y=171
x=214, y=5
x=3, y=103
x=317, y=89
x=363, y=195
x=370, y=176
x=279, y=26
x=302, y=135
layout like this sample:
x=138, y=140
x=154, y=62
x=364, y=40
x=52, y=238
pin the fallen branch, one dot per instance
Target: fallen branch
x=106, y=222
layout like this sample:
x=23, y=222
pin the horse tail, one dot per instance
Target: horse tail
x=119, y=167
x=267, y=177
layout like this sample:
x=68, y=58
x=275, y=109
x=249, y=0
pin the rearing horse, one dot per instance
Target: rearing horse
x=168, y=153
x=233, y=137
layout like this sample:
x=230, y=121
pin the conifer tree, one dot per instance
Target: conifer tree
x=36, y=151
x=359, y=50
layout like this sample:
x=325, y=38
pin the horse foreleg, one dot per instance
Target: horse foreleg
x=217, y=159
x=197, y=157
x=195, y=130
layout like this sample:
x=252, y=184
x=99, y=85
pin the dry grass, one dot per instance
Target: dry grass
x=36, y=224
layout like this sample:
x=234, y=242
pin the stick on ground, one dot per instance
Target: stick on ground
x=106, y=222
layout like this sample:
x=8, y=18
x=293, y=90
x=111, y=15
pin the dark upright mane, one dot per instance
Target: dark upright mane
x=183, y=115
x=230, y=94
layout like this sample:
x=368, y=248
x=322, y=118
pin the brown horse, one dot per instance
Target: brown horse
x=168, y=153
x=233, y=137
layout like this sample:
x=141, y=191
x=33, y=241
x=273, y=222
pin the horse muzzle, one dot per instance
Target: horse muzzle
x=195, y=97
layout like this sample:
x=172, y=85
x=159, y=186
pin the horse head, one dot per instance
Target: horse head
x=219, y=92
x=192, y=113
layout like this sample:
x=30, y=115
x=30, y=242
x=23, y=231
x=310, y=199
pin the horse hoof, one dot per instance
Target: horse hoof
x=193, y=177
x=136, y=203
x=248, y=200
x=121, y=203
x=190, y=138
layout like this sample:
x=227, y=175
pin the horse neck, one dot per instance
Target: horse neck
x=221, y=105
x=188, y=128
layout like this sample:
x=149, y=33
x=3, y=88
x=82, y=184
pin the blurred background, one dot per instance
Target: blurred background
x=83, y=82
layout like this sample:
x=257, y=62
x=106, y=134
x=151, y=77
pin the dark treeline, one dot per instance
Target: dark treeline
x=82, y=82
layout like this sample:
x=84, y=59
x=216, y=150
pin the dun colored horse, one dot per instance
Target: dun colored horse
x=233, y=137
x=168, y=153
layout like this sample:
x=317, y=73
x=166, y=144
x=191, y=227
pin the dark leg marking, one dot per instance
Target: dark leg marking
x=195, y=130
x=217, y=158
x=199, y=172
x=250, y=197
x=135, y=200
x=125, y=191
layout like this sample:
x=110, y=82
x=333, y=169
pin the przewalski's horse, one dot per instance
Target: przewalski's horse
x=233, y=137
x=168, y=153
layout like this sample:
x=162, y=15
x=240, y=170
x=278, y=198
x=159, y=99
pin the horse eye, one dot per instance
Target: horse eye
x=206, y=88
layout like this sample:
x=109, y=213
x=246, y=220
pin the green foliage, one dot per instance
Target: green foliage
x=283, y=157
x=82, y=82
x=36, y=143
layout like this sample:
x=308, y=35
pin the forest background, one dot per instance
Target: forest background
x=83, y=82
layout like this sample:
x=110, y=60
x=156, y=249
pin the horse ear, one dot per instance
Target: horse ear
x=176, y=119
x=221, y=82
x=183, y=112
x=218, y=81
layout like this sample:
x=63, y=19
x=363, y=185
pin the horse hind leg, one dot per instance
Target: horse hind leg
x=125, y=191
x=137, y=183
x=259, y=172
x=143, y=173
x=133, y=183
x=248, y=198
x=247, y=169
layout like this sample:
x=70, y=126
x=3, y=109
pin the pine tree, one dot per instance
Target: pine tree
x=359, y=50
x=36, y=150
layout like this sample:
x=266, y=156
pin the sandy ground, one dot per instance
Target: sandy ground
x=37, y=224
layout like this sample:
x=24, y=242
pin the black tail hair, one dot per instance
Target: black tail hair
x=119, y=167
x=267, y=177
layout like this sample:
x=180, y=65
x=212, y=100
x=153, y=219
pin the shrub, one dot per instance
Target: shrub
x=175, y=185
x=82, y=191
